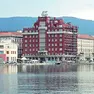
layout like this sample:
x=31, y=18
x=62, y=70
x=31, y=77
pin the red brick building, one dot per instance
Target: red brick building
x=51, y=38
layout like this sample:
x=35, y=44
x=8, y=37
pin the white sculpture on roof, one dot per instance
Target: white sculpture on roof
x=44, y=13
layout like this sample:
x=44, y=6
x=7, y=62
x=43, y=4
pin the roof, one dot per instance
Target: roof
x=84, y=36
x=23, y=58
x=18, y=34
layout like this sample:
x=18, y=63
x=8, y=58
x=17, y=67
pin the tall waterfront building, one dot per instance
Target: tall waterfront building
x=49, y=39
x=10, y=46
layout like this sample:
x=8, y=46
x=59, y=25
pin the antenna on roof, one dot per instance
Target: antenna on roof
x=44, y=13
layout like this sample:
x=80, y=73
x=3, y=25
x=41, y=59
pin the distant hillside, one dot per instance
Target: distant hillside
x=18, y=23
x=85, y=26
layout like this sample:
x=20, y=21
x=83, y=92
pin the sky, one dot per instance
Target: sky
x=33, y=8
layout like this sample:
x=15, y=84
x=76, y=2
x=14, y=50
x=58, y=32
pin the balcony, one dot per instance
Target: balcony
x=42, y=28
x=30, y=33
x=42, y=52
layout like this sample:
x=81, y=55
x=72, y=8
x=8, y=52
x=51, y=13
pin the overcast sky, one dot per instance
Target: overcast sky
x=33, y=8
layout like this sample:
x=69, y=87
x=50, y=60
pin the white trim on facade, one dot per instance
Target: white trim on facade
x=33, y=33
x=42, y=28
x=60, y=32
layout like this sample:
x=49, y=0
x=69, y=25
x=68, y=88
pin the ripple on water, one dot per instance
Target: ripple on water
x=65, y=79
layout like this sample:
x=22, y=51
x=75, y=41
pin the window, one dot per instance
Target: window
x=60, y=39
x=36, y=45
x=36, y=49
x=52, y=40
x=49, y=35
x=30, y=45
x=42, y=23
x=11, y=58
x=48, y=25
x=30, y=31
x=55, y=49
x=60, y=49
x=55, y=30
x=26, y=31
x=55, y=39
x=25, y=49
x=30, y=40
x=1, y=52
x=36, y=40
x=33, y=40
x=52, y=35
x=33, y=36
x=36, y=26
x=7, y=52
x=1, y=46
x=60, y=44
x=60, y=35
x=49, y=49
x=25, y=40
x=25, y=36
x=33, y=45
x=55, y=35
x=52, y=44
x=15, y=58
x=52, y=49
x=36, y=36
x=49, y=30
x=13, y=52
x=25, y=45
x=55, y=44
x=7, y=58
x=33, y=49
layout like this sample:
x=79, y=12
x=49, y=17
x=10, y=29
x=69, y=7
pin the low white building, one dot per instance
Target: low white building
x=11, y=45
x=10, y=49
x=85, y=47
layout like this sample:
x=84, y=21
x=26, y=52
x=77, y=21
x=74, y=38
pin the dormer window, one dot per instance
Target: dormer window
x=26, y=31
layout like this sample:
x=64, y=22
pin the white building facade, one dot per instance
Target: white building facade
x=10, y=49
x=86, y=47
x=10, y=45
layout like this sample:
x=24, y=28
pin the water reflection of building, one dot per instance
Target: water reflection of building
x=86, y=79
x=50, y=38
x=8, y=80
x=46, y=69
x=47, y=79
x=10, y=69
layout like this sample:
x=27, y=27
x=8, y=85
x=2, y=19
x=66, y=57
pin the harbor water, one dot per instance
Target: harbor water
x=47, y=79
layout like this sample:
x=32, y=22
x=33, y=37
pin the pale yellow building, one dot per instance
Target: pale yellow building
x=10, y=49
x=85, y=47
x=11, y=45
